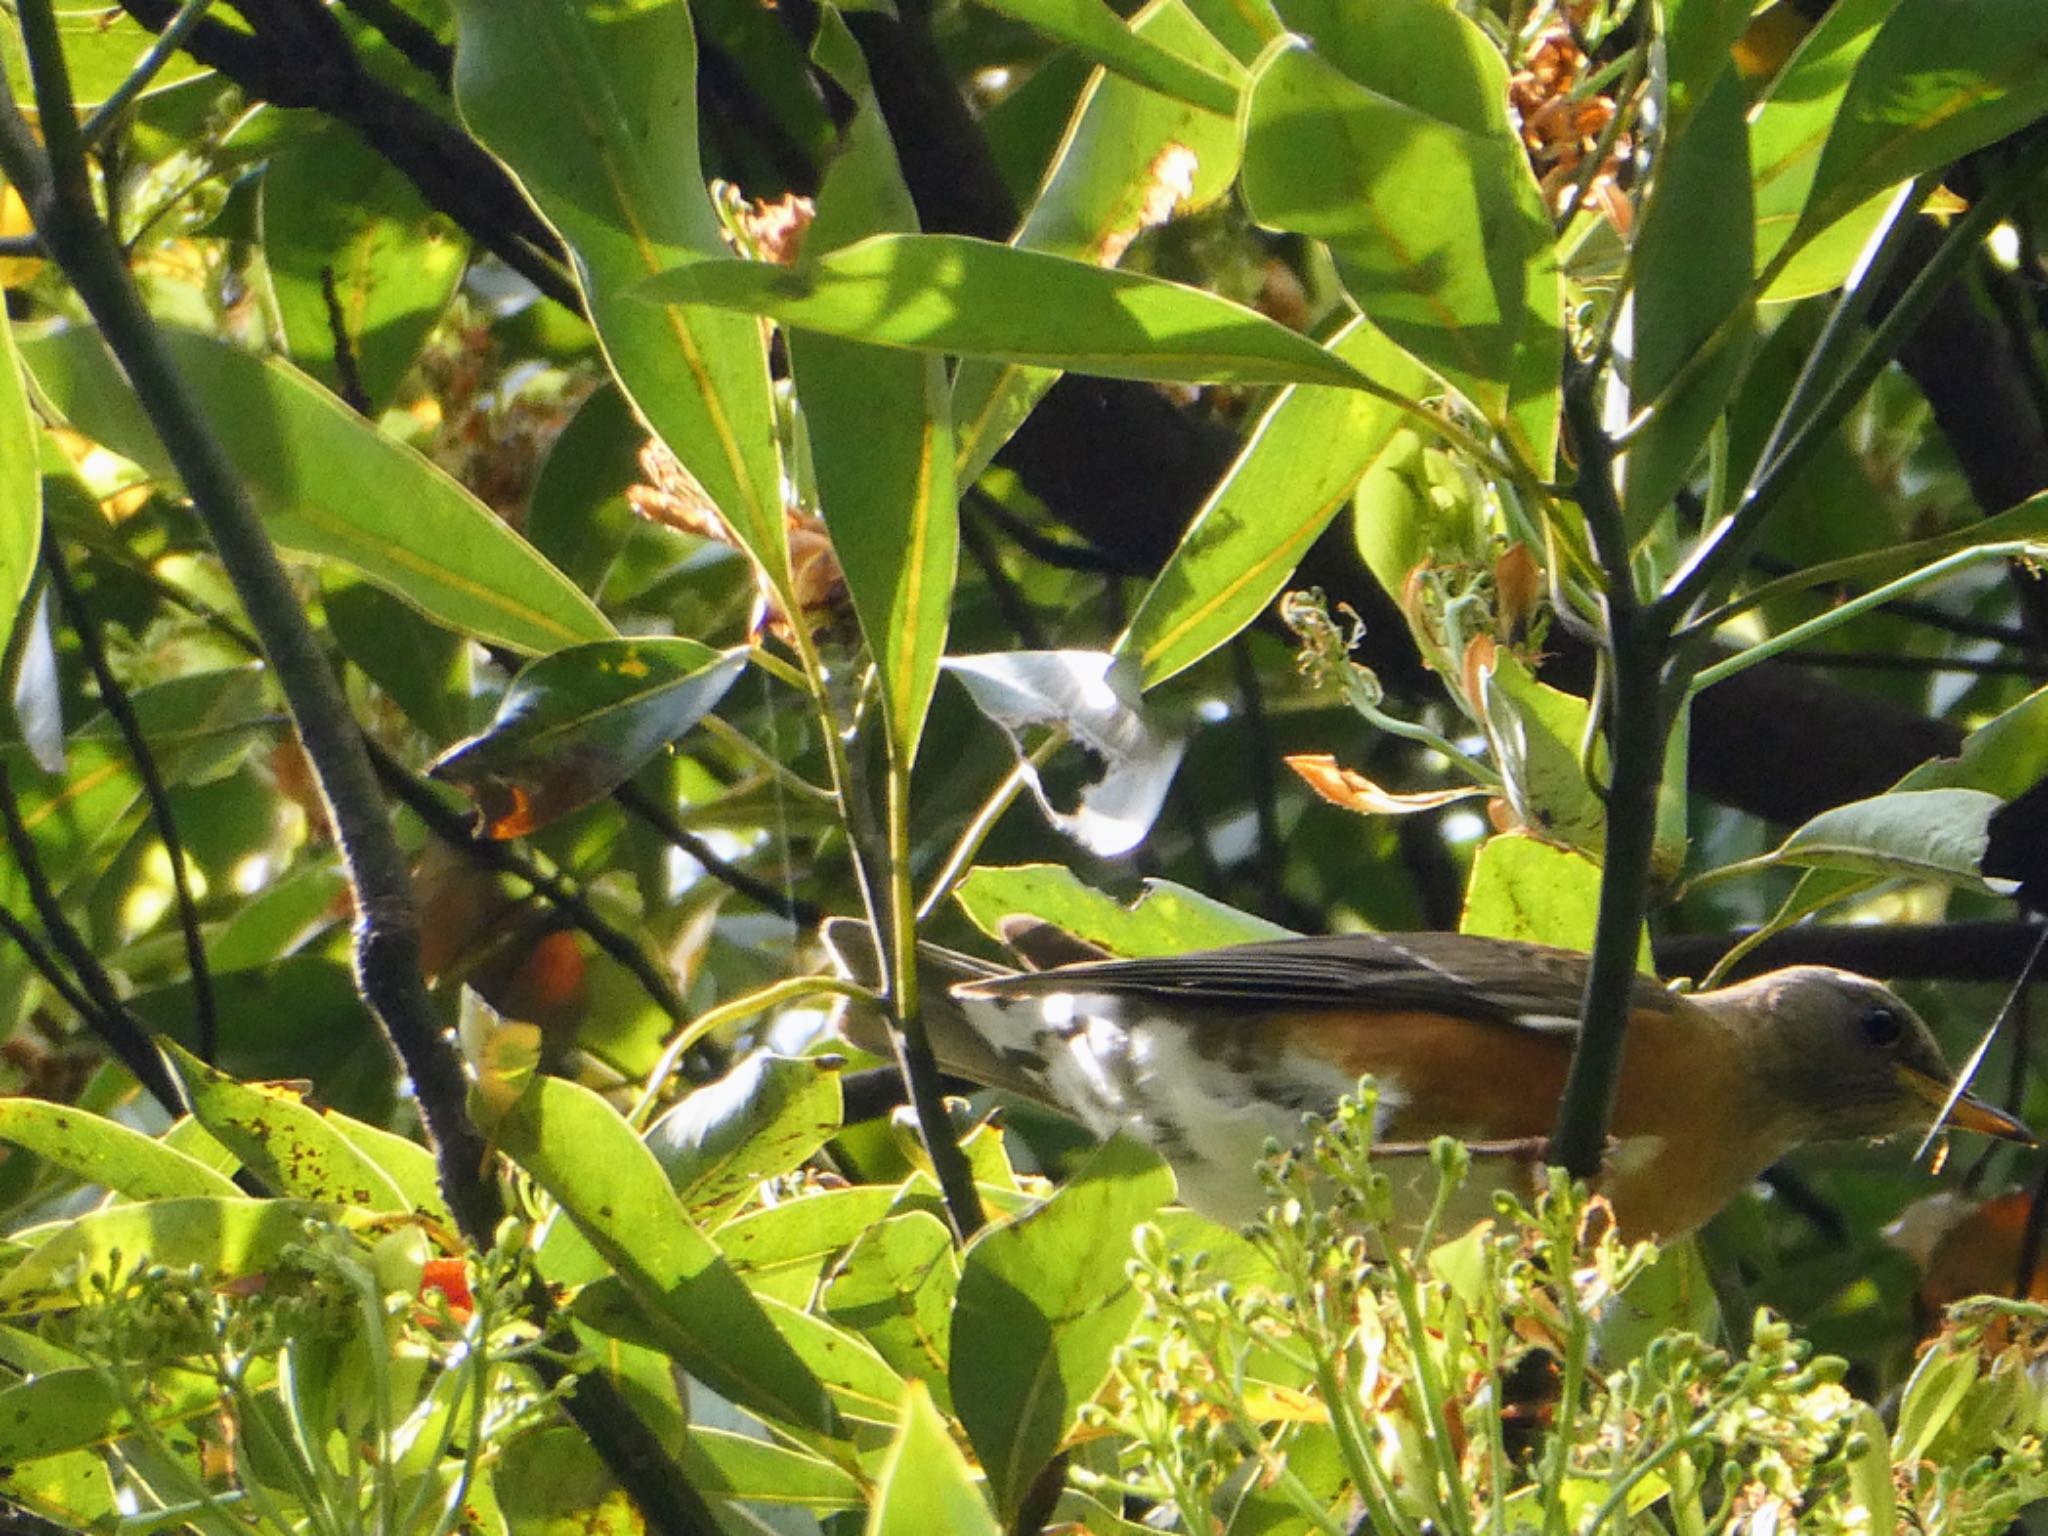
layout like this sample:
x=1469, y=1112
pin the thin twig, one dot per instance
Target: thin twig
x=46, y=966
x=114, y=699
x=346, y=373
x=805, y=914
x=109, y=1017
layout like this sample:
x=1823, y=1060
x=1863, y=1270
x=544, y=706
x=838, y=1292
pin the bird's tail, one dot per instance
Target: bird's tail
x=960, y=1047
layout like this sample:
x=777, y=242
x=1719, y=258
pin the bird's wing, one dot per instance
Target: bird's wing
x=1494, y=980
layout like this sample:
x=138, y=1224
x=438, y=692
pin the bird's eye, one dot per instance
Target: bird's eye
x=1883, y=1027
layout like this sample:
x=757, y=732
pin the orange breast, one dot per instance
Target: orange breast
x=1681, y=1113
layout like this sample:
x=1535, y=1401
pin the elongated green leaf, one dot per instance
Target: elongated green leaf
x=130, y=1164
x=348, y=238
x=759, y=1121
x=1300, y=466
x=1941, y=78
x=1167, y=920
x=575, y=725
x=329, y=483
x=879, y=423
x=1044, y=1300
x=735, y=1466
x=783, y=1249
x=1102, y=37
x=582, y=1152
x=281, y=1139
x=1130, y=157
x=594, y=107
x=895, y=1289
x=225, y=1239
x=1693, y=313
x=1698, y=35
x=925, y=1485
x=1924, y=833
x=1423, y=200
x=21, y=487
x=1789, y=130
x=953, y=294
x=67, y=1409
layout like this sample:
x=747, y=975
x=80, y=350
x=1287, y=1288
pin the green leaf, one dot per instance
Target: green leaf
x=895, y=1289
x=225, y=1239
x=281, y=1139
x=925, y=1485
x=423, y=668
x=1421, y=198
x=1101, y=36
x=329, y=483
x=594, y=107
x=735, y=1466
x=75, y=1489
x=100, y=49
x=1168, y=919
x=1298, y=468
x=21, y=488
x=577, y=514
x=783, y=1249
x=954, y=294
x=1698, y=35
x=105, y=1152
x=1941, y=78
x=1917, y=833
x=579, y=1149
x=68, y=1409
x=879, y=424
x=1522, y=888
x=575, y=725
x=1788, y=131
x=759, y=1121
x=1535, y=731
x=1693, y=311
x=347, y=236
x=1124, y=154
x=1044, y=1301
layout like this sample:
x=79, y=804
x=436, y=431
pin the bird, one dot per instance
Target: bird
x=1208, y=1056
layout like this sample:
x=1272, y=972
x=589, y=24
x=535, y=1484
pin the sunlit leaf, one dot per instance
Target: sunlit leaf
x=974, y=298
x=1044, y=1300
x=595, y=110
x=925, y=1485
x=1166, y=920
x=101, y=1151
x=21, y=489
x=329, y=483
x=760, y=1120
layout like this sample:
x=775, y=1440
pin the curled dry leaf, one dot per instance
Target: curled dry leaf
x=1561, y=128
x=1355, y=792
x=671, y=495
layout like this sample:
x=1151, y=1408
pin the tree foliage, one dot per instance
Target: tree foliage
x=513, y=512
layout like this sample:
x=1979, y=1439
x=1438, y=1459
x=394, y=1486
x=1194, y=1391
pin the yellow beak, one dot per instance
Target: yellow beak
x=1969, y=1112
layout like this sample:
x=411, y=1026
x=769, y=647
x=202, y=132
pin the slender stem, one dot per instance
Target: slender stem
x=109, y=1017
x=1800, y=634
x=772, y=996
x=114, y=698
x=1638, y=721
x=760, y=892
x=920, y=1065
x=46, y=966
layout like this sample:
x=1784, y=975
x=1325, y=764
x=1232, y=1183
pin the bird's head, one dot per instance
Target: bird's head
x=1850, y=1059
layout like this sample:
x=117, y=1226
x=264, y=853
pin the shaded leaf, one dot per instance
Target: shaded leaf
x=1297, y=470
x=100, y=51
x=329, y=483
x=1536, y=731
x=577, y=724
x=580, y=1150
x=595, y=110
x=782, y=1250
x=339, y=219
x=1918, y=833
x=1093, y=697
x=895, y=1289
x=974, y=298
x=1044, y=1300
x=1693, y=314
x=1103, y=38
